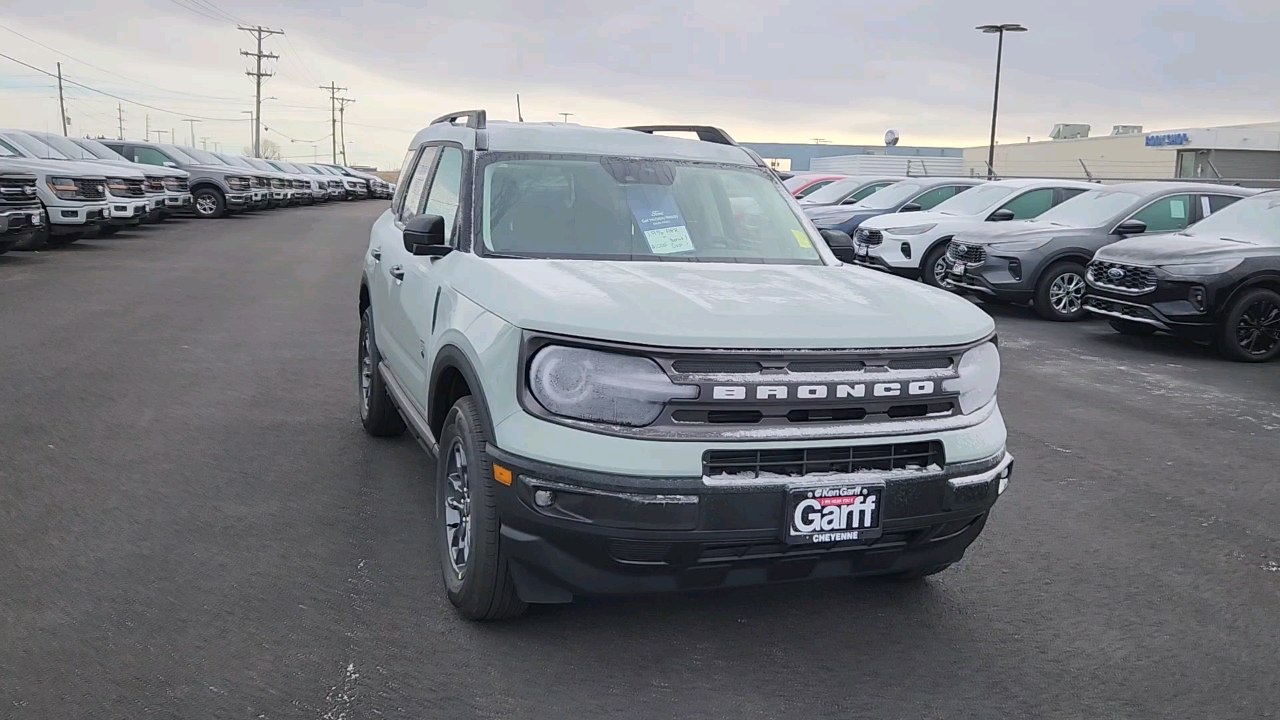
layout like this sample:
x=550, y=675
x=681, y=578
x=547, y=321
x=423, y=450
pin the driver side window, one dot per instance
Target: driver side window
x=417, y=186
x=930, y=199
x=865, y=193
x=147, y=156
x=1166, y=214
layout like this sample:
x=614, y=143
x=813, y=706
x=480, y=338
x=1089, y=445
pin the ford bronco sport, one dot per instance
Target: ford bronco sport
x=639, y=368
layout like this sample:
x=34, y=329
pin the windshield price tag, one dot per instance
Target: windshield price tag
x=659, y=219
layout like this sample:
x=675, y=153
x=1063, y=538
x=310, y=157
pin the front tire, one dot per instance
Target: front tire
x=933, y=268
x=1129, y=327
x=1251, y=328
x=474, y=567
x=1060, y=292
x=378, y=414
x=209, y=204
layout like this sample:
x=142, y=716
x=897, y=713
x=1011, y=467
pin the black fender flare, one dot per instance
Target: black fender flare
x=452, y=357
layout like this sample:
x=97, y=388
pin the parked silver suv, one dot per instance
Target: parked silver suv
x=216, y=189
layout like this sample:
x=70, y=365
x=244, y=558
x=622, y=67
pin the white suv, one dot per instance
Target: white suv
x=914, y=244
x=639, y=368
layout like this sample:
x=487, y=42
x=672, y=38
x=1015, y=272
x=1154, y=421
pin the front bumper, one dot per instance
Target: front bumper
x=128, y=212
x=178, y=201
x=1189, y=308
x=20, y=221
x=607, y=534
x=1004, y=277
x=73, y=218
x=238, y=199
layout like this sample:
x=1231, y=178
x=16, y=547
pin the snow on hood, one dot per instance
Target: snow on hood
x=907, y=219
x=1016, y=230
x=719, y=305
x=60, y=167
x=1170, y=248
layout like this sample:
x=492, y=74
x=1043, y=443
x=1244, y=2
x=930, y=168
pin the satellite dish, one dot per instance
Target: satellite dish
x=891, y=137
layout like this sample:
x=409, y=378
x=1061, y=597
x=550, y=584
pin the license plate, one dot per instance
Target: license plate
x=863, y=251
x=958, y=268
x=817, y=516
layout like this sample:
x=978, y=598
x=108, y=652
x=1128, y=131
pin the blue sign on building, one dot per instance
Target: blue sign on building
x=1168, y=139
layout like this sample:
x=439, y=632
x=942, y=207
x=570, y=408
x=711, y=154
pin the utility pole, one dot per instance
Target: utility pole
x=260, y=33
x=252, y=127
x=204, y=143
x=192, y=124
x=333, y=89
x=215, y=146
x=147, y=137
x=62, y=107
x=566, y=117
x=120, y=113
x=342, y=124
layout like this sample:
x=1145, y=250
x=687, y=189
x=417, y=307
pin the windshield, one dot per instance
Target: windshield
x=202, y=157
x=8, y=152
x=892, y=196
x=100, y=151
x=1090, y=208
x=835, y=192
x=66, y=147
x=181, y=157
x=977, y=200
x=639, y=209
x=34, y=146
x=259, y=164
x=235, y=161
x=1254, y=220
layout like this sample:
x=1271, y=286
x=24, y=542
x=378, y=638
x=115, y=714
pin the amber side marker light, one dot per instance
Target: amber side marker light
x=501, y=474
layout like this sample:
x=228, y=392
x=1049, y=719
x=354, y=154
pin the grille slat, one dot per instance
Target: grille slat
x=91, y=189
x=967, y=254
x=809, y=461
x=17, y=191
x=869, y=237
x=1132, y=280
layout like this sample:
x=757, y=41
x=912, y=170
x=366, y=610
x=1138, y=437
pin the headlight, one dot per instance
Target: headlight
x=1020, y=245
x=979, y=374
x=602, y=387
x=63, y=187
x=1202, y=269
x=911, y=230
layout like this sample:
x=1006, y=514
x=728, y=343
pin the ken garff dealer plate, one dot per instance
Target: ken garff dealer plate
x=834, y=513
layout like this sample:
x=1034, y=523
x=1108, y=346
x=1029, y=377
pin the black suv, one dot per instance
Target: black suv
x=1218, y=280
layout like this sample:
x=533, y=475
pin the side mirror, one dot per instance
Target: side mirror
x=840, y=243
x=1131, y=227
x=424, y=235
x=1001, y=215
x=911, y=207
x=170, y=164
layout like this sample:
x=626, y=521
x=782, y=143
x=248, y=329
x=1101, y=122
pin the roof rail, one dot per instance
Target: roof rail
x=705, y=133
x=475, y=118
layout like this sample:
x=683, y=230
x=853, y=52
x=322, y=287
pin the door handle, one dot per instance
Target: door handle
x=397, y=272
x=376, y=253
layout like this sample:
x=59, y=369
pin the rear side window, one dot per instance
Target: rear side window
x=929, y=200
x=1217, y=202
x=816, y=186
x=1166, y=214
x=1030, y=204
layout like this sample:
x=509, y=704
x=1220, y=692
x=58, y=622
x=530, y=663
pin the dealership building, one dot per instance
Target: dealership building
x=1232, y=152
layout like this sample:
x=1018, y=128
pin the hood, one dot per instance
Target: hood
x=117, y=168
x=720, y=305
x=1180, y=249
x=60, y=167
x=841, y=215
x=889, y=220
x=1016, y=230
x=220, y=169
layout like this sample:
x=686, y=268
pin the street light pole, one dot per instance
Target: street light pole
x=995, y=102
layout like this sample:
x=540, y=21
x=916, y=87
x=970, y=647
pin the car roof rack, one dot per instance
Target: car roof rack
x=705, y=133
x=476, y=119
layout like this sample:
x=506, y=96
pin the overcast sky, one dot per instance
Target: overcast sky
x=765, y=70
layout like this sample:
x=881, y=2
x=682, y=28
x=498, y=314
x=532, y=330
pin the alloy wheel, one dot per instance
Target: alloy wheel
x=1066, y=292
x=457, y=509
x=206, y=205
x=940, y=271
x=1258, y=330
x=366, y=372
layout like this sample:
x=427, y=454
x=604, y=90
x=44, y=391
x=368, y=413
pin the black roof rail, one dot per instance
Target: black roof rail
x=475, y=118
x=705, y=133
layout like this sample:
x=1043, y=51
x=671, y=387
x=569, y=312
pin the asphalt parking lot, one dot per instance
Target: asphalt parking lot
x=193, y=525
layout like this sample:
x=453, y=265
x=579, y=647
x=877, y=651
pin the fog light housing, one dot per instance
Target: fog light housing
x=544, y=498
x=1015, y=269
x=906, y=250
x=1196, y=296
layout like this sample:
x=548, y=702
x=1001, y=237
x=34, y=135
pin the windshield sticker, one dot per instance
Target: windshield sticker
x=1177, y=210
x=659, y=219
x=802, y=239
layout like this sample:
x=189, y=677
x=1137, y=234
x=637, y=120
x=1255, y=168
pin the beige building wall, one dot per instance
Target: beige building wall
x=1121, y=157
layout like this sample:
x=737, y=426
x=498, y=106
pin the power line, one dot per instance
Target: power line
x=199, y=11
x=306, y=70
x=219, y=11
x=333, y=89
x=113, y=96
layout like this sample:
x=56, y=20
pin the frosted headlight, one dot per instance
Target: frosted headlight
x=979, y=374
x=1202, y=269
x=602, y=387
x=1020, y=245
x=911, y=230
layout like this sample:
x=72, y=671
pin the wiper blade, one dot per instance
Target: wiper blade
x=1242, y=242
x=506, y=256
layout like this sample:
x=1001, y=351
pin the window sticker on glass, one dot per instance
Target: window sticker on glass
x=802, y=239
x=659, y=219
x=1178, y=209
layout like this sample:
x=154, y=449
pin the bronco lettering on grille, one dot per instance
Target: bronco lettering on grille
x=821, y=392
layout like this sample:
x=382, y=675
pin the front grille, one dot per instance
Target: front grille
x=1128, y=279
x=17, y=191
x=91, y=189
x=155, y=185
x=869, y=237
x=278, y=184
x=137, y=188
x=261, y=182
x=967, y=254
x=183, y=185
x=800, y=462
x=297, y=184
